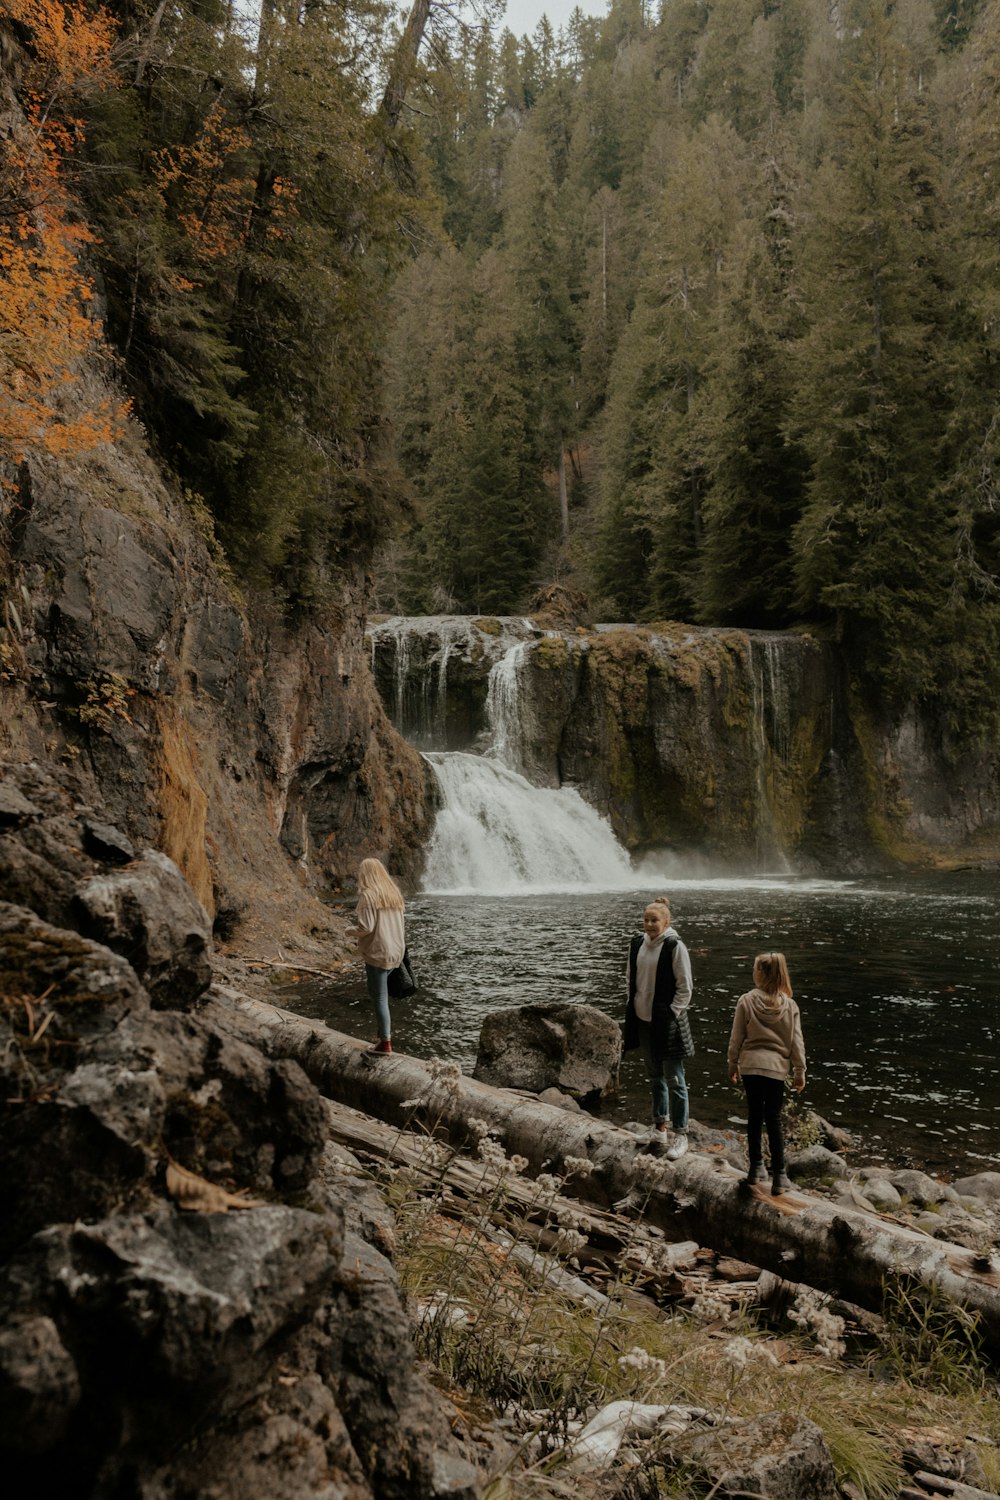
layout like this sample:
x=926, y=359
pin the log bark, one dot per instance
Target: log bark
x=845, y=1251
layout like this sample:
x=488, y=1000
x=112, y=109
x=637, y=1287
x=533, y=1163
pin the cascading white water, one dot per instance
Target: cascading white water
x=496, y=834
x=504, y=707
x=772, y=740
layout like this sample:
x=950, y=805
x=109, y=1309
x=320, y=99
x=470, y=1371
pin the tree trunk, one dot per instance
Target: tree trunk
x=400, y=72
x=846, y=1251
x=563, y=492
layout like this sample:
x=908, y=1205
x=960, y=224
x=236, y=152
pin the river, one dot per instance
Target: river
x=898, y=980
x=528, y=896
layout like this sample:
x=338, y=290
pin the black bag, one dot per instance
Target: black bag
x=402, y=981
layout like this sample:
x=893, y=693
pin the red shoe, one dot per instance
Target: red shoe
x=382, y=1045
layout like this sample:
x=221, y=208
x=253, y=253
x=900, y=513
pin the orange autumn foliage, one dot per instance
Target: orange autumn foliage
x=46, y=326
x=210, y=187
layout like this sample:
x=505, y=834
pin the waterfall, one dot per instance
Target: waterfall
x=496, y=834
x=504, y=707
x=772, y=737
x=425, y=667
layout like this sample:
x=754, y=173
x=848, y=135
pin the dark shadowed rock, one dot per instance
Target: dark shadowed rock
x=15, y=808
x=104, y=841
x=148, y=913
x=39, y=1385
x=107, y=1084
x=574, y=1048
x=161, y=1353
x=396, y=1422
x=170, y=1315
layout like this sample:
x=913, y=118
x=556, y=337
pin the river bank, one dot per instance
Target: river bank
x=898, y=980
x=206, y=1288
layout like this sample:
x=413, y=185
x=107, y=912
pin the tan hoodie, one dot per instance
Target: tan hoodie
x=767, y=1036
x=379, y=932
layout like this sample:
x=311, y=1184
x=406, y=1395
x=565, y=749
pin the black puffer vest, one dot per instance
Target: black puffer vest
x=671, y=1034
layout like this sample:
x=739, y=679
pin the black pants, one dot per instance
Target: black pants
x=765, y=1097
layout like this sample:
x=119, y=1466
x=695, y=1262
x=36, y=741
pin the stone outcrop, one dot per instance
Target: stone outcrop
x=748, y=745
x=779, y=1456
x=249, y=748
x=194, y=1291
x=574, y=1048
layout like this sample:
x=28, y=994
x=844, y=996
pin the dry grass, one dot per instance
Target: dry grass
x=508, y=1335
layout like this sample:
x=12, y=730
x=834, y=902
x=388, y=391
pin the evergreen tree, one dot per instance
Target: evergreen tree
x=969, y=499
x=488, y=515
x=654, y=472
x=868, y=393
x=754, y=477
x=536, y=257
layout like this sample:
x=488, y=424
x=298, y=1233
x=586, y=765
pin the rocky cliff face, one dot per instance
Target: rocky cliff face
x=195, y=1295
x=253, y=752
x=749, y=746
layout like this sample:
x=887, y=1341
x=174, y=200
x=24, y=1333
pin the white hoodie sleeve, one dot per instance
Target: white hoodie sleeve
x=682, y=974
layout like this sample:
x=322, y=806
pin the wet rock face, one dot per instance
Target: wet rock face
x=145, y=1348
x=751, y=745
x=574, y=1048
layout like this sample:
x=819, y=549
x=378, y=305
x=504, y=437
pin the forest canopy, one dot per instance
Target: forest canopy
x=711, y=329
x=693, y=308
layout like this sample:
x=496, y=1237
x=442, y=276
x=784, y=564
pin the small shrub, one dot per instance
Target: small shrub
x=929, y=1339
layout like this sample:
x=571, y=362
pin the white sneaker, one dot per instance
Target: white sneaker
x=679, y=1146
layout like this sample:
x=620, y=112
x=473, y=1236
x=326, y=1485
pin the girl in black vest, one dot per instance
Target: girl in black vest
x=656, y=1018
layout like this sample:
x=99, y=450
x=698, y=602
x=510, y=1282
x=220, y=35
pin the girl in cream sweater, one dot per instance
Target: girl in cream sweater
x=766, y=1040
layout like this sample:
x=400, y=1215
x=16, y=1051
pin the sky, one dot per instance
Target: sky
x=524, y=15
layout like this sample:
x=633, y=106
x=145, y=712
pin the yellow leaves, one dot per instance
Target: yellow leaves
x=200, y=1196
x=44, y=332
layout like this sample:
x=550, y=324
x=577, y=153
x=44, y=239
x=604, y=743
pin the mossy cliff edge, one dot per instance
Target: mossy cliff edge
x=750, y=746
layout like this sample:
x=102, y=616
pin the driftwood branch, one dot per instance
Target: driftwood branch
x=275, y=963
x=845, y=1251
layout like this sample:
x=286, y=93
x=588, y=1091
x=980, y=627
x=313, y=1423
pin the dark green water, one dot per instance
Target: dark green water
x=898, y=980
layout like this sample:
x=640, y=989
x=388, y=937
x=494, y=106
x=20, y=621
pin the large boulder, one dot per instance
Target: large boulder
x=148, y=913
x=779, y=1456
x=575, y=1048
x=182, y=1309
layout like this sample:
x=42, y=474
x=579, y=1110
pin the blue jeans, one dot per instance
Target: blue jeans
x=377, y=981
x=667, y=1082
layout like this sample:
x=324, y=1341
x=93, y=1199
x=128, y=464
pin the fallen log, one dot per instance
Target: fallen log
x=614, y=1243
x=953, y=1489
x=843, y=1250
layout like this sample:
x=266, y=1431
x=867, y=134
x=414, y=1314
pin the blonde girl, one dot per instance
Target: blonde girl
x=380, y=935
x=766, y=1040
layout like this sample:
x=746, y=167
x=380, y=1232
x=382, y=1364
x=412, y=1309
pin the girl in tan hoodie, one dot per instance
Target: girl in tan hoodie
x=766, y=1039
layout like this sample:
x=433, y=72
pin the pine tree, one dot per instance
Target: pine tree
x=754, y=477
x=654, y=471
x=487, y=514
x=536, y=256
x=869, y=548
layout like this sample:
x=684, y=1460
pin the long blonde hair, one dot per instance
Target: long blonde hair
x=374, y=880
x=773, y=974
